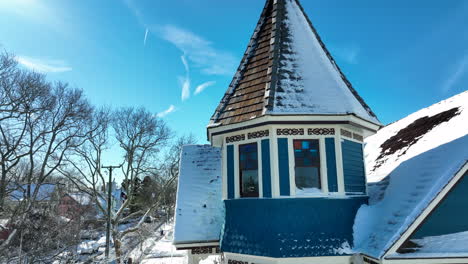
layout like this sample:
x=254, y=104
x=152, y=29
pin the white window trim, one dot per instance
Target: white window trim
x=224, y=168
x=339, y=165
x=323, y=167
x=236, y=168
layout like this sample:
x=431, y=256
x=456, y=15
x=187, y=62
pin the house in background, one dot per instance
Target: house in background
x=81, y=204
x=48, y=194
x=284, y=180
x=77, y=205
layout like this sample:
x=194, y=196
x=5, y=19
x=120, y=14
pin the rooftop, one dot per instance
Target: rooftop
x=199, y=206
x=287, y=70
x=410, y=161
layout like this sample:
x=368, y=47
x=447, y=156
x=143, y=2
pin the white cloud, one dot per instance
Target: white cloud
x=43, y=65
x=461, y=69
x=167, y=111
x=185, y=62
x=38, y=11
x=185, y=84
x=199, y=51
x=146, y=36
x=203, y=86
x=185, y=80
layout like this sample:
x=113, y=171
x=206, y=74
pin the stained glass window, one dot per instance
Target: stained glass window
x=307, y=164
x=248, y=170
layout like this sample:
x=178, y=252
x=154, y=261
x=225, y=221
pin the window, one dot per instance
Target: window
x=248, y=170
x=307, y=166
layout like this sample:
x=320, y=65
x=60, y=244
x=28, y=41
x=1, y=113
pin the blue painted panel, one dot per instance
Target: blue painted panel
x=450, y=216
x=331, y=165
x=266, y=169
x=230, y=171
x=283, y=163
x=353, y=167
x=288, y=227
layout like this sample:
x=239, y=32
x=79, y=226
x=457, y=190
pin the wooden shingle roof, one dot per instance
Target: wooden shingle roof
x=272, y=78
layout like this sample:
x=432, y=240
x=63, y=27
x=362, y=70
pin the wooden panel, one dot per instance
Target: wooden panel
x=353, y=167
x=230, y=171
x=266, y=168
x=247, y=99
x=331, y=165
x=283, y=162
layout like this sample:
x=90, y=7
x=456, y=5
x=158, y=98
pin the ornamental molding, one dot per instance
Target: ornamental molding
x=235, y=138
x=321, y=131
x=289, y=131
x=358, y=137
x=205, y=250
x=258, y=134
x=349, y=134
x=346, y=133
x=250, y=135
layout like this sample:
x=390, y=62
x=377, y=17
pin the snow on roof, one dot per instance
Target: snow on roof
x=81, y=198
x=199, y=206
x=45, y=192
x=410, y=161
x=451, y=245
x=310, y=82
x=379, y=164
x=287, y=70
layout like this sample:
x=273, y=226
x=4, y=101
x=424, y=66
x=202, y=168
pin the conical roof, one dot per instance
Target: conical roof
x=287, y=70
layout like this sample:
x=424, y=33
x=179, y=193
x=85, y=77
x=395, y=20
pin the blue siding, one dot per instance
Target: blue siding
x=230, y=171
x=283, y=163
x=285, y=227
x=266, y=174
x=331, y=165
x=353, y=167
x=450, y=216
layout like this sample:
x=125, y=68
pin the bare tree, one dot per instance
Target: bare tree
x=169, y=172
x=86, y=160
x=23, y=94
x=141, y=135
x=42, y=123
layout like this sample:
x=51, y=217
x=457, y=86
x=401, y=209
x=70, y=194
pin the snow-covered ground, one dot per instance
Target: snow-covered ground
x=158, y=249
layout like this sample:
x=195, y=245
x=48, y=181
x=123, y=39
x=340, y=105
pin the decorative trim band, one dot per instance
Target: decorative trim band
x=235, y=138
x=346, y=133
x=349, y=134
x=321, y=131
x=205, y=250
x=358, y=137
x=258, y=134
x=289, y=131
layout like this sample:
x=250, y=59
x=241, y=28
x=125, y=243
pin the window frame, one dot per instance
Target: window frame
x=239, y=169
x=319, y=167
x=323, y=168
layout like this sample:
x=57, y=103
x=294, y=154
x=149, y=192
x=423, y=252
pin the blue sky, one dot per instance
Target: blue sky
x=400, y=55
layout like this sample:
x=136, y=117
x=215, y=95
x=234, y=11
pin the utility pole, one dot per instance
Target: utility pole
x=109, y=204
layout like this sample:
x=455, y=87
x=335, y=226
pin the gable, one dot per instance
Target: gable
x=445, y=228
